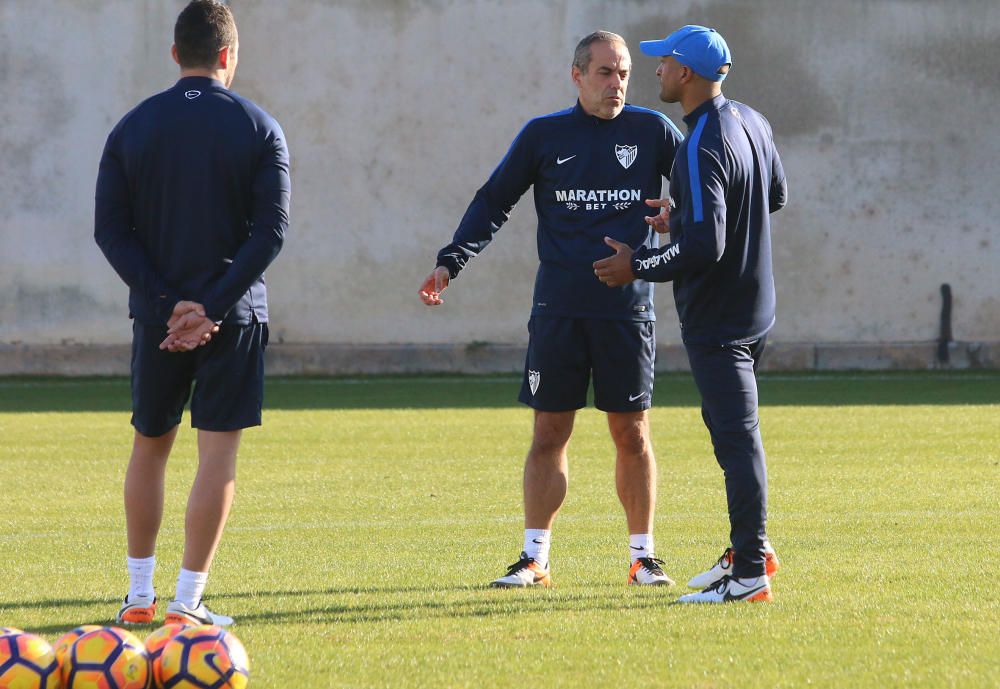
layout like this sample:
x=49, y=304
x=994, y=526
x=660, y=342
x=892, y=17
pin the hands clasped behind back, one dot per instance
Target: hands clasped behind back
x=188, y=328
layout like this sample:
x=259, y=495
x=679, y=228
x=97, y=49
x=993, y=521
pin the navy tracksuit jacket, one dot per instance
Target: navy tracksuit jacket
x=590, y=178
x=203, y=143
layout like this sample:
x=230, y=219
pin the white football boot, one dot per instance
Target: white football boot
x=724, y=566
x=646, y=571
x=730, y=590
x=178, y=613
x=138, y=611
x=523, y=573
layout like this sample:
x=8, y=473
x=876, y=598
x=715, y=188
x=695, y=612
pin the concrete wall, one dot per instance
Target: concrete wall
x=397, y=110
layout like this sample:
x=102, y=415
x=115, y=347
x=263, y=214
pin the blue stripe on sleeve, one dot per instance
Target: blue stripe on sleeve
x=636, y=108
x=694, y=177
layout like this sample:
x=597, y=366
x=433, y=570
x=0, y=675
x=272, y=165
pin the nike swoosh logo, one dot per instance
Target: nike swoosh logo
x=633, y=398
x=743, y=596
x=535, y=540
x=676, y=53
x=560, y=161
x=636, y=547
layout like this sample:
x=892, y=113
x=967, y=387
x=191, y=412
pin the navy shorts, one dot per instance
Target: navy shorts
x=227, y=374
x=563, y=353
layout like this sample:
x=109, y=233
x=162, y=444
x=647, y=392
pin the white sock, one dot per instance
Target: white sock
x=190, y=586
x=536, y=544
x=640, y=545
x=140, y=576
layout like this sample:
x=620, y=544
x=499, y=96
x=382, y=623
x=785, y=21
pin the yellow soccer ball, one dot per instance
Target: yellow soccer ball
x=107, y=658
x=156, y=642
x=204, y=657
x=26, y=661
x=64, y=642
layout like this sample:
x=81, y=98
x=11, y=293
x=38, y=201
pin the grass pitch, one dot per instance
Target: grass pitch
x=370, y=514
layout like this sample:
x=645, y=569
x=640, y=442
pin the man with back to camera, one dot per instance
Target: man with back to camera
x=727, y=179
x=591, y=166
x=191, y=207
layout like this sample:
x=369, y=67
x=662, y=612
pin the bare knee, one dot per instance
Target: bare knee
x=152, y=450
x=552, y=432
x=630, y=432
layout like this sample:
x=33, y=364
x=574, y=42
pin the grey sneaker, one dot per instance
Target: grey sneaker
x=179, y=613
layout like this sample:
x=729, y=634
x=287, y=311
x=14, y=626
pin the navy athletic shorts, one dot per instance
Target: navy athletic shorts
x=563, y=353
x=227, y=374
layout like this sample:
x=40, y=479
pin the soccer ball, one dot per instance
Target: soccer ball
x=106, y=658
x=156, y=642
x=204, y=657
x=64, y=642
x=26, y=661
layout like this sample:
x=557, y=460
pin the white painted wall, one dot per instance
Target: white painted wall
x=396, y=111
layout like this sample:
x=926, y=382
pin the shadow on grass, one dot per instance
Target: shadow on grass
x=382, y=605
x=9, y=613
x=457, y=392
x=504, y=603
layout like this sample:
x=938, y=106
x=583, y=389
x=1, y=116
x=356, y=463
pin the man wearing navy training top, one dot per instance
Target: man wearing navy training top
x=727, y=179
x=591, y=166
x=191, y=207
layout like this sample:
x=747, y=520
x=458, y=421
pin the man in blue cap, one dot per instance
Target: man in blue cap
x=726, y=180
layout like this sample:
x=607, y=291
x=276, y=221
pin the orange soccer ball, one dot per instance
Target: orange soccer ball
x=64, y=642
x=106, y=658
x=204, y=657
x=156, y=642
x=26, y=661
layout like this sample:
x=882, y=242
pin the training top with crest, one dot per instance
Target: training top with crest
x=590, y=177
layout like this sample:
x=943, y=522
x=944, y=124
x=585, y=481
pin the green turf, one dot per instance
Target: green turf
x=370, y=512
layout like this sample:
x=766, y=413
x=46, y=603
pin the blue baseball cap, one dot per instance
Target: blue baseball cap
x=702, y=49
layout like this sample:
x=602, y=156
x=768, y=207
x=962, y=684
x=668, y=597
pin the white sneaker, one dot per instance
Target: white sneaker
x=525, y=572
x=724, y=567
x=138, y=611
x=730, y=590
x=179, y=613
x=646, y=571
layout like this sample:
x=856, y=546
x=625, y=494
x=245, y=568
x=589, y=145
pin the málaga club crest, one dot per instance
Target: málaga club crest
x=626, y=154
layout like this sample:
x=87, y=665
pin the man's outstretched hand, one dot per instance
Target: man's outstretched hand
x=433, y=285
x=615, y=271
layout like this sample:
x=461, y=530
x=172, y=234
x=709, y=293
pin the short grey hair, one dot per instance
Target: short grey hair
x=581, y=56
